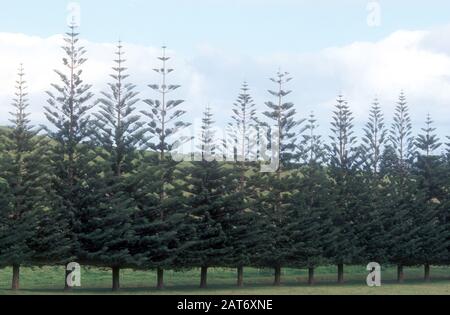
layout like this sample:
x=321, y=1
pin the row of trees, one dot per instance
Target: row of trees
x=98, y=186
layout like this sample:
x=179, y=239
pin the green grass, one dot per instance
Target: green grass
x=49, y=280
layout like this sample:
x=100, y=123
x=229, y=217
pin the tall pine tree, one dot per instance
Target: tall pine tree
x=274, y=186
x=108, y=236
x=240, y=212
x=208, y=192
x=375, y=138
x=22, y=166
x=311, y=148
x=344, y=162
x=430, y=172
x=402, y=187
x=164, y=124
x=67, y=111
x=311, y=200
x=401, y=136
x=374, y=142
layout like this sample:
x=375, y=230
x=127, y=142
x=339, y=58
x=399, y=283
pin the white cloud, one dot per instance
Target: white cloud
x=416, y=61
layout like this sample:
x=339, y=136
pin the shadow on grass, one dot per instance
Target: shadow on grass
x=189, y=289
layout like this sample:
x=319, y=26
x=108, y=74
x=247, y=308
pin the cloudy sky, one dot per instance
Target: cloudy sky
x=360, y=48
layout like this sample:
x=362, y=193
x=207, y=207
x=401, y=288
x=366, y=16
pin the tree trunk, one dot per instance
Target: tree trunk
x=160, y=280
x=240, y=276
x=277, y=280
x=340, y=273
x=204, y=277
x=115, y=278
x=15, y=277
x=427, y=272
x=400, y=274
x=311, y=275
x=67, y=273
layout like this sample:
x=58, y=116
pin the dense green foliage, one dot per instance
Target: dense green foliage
x=99, y=186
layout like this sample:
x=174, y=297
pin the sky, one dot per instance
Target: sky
x=360, y=48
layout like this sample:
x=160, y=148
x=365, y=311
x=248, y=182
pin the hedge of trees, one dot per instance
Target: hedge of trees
x=99, y=187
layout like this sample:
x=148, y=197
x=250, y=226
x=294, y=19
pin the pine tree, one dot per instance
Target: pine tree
x=400, y=202
x=375, y=138
x=23, y=166
x=244, y=121
x=311, y=200
x=402, y=187
x=428, y=142
x=240, y=213
x=275, y=186
x=108, y=235
x=311, y=149
x=164, y=124
x=17, y=221
x=374, y=142
x=67, y=111
x=430, y=172
x=282, y=114
x=401, y=133
x=344, y=161
x=208, y=193
x=428, y=164
x=343, y=152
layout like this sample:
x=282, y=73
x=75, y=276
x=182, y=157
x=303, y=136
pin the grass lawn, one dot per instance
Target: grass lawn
x=49, y=280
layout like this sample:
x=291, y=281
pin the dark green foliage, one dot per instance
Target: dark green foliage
x=107, y=191
x=242, y=129
x=27, y=171
x=448, y=146
x=344, y=162
x=164, y=114
x=375, y=138
x=401, y=133
x=397, y=215
x=21, y=187
x=430, y=174
x=312, y=149
x=108, y=235
x=274, y=192
x=245, y=242
x=374, y=155
x=158, y=239
x=310, y=223
x=445, y=208
x=428, y=142
x=207, y=187
x=67, y=111
x=164, y=125
x=343, y=151
x=282, y=115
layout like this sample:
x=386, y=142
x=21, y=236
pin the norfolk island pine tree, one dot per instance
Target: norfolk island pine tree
x=311, y=200
x=164, y=124
x=423, y=184
x=108, y=235
x=67, y=111
x=274, y=191
x=374, y=142
x=27, y=170
x=18, y=214
x=429, y=170
x=245, y=233
x=401, y=189
x=207, y=188
x=344, y=163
